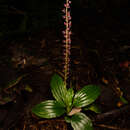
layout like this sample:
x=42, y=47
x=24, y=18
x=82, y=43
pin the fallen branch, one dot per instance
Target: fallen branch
x=112, y=114
x=55, y=120
x=110, y=127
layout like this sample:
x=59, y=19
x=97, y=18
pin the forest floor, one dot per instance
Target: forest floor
x=99, y=55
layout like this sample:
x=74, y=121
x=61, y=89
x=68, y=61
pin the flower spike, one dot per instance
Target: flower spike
x=67, y=35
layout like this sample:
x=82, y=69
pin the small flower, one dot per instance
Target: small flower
x=63, y=17
x=68, y=14
x=64, y=23
x=64, y=5
x=70, y=23
x=69, y=2
x=63, y=10
x=63, y=32
x=70, y=33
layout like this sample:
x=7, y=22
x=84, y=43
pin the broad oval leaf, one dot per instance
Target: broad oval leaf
x=93, y=107
x=80, y=121
x=48, y=109
x=86, y=96
x=69, y=97
x=58, y=89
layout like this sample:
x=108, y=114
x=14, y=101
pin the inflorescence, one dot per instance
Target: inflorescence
x=67, y=35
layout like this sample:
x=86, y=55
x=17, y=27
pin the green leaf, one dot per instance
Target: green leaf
x=5, y=100
x=80, y=121
x=58, y=89
x=69, y=98
x=48, y=109
x=67, y=119
x=93, y=107
x=28, y=88
x=123, y=100
x=14, y=82
x=86, y=96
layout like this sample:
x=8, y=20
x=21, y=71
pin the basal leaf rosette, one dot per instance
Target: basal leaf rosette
x=69, y=103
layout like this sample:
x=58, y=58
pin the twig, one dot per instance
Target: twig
x=110, y=127
x=46, y=121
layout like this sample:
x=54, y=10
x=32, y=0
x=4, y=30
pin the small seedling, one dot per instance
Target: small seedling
x=68, y=103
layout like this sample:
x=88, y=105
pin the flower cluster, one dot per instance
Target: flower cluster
x=67, y=35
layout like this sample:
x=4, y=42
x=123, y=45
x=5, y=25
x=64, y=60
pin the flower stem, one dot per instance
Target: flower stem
x=67, y=40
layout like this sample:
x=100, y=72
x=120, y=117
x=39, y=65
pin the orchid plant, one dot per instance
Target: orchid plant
x=66, y=101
